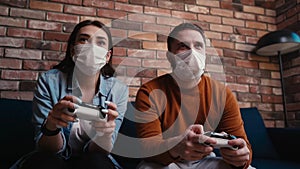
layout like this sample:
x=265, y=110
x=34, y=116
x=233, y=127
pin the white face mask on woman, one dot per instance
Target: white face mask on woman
x=188, y=65
x=89, y=58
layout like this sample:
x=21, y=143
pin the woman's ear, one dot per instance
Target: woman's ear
x=108, y=55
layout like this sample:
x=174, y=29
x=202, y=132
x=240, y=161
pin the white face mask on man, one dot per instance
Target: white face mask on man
x=89, y=58
x=188, y=65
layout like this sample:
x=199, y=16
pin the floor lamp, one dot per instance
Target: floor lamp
x=279, y=43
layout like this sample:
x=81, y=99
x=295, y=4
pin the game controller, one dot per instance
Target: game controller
x=88, y=112
x=222, y=140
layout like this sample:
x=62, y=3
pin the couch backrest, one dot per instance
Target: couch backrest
x=257, y=134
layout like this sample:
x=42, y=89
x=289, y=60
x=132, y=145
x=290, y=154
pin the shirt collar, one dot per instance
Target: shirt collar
x=105, y=86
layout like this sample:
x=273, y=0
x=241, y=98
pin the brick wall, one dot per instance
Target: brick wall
x=288, y=17
x=33, y=37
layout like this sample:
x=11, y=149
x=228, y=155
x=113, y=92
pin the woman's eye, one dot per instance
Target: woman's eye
x=83, y=40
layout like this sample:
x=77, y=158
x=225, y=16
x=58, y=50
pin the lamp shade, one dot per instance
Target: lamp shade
x=283, y=41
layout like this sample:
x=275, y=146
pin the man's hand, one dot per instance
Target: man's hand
x=189, y=148
x=238, y=157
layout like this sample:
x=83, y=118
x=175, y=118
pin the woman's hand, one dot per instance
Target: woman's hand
x=58, y=116
x=106, y=128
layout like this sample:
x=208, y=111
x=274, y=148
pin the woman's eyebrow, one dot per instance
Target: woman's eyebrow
x=84, y=34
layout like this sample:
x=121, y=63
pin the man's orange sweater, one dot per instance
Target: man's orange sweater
x=165, y=110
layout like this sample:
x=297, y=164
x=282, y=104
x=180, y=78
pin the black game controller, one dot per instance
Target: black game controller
x=88, y=112
x=222, y=140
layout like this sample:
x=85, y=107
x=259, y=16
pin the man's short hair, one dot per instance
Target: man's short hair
x=180, y=27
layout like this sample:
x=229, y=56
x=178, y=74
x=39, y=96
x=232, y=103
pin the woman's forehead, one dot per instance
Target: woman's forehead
x=92, y=30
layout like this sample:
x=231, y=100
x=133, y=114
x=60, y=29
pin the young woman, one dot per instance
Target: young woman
x=84, y=76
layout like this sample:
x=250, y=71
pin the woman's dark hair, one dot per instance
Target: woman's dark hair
x=183, y=26
x=67, y=64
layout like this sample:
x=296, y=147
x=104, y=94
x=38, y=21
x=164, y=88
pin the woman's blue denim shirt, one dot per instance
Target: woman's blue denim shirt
x=53, y=85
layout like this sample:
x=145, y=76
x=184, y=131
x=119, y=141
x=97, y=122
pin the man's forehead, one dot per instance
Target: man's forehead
x=188, y=35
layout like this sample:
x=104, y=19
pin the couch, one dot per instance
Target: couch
x=272, y=147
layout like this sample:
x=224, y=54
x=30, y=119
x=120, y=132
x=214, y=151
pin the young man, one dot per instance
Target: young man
x=175, y=110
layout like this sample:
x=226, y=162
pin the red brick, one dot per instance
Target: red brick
x=51, y=55
x=155, y=45
x=266, y=19
x=43, y=45
x=269, y=82
x=10, y=63
x=246, y=64
x=245, y=16
x=256, y=25
x=244, y=47
x=126, y=61
x=17, y=95
x=157, y=11
x=271, y=99
x=162, y=29
x=184, y=15
x=209, y=18
x=23, y=53
x=249, y=97
x=245, y=31
x=144, y=2
x=213, y=35
x=234, y=22
x=15, y=3
x=221, y=12
x=119, y=51
x=247, y=80
x=48, y=6
x=9, y=85
x=208, y=3
x=2, y=31
x=1, y=52
x=149, y=54
x=4, y=10
x=56, y=36
x=111, y=13
x=19, y=75
x=120, y=33
x=171, y=5
x=221, y=28
x=142, y=35
x=122, y=24
x=79, y=10
x=260, y=89
x=268, y=66
x=129, y=7
x=11, y=42
x=38, y=65
x=75, y=2
x=26, y=33
x=222, y=44
x=53, y=26
x=141, y=18
x=253, y=9
x=16, y=22
x=101, y=4
x=197, y=9
x=168, y=21
x=149, y=63
x=27, y=13
x=62, y=17
x=27, y=85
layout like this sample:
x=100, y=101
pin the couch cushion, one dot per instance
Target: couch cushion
x=17, y=130
x=257, y=134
